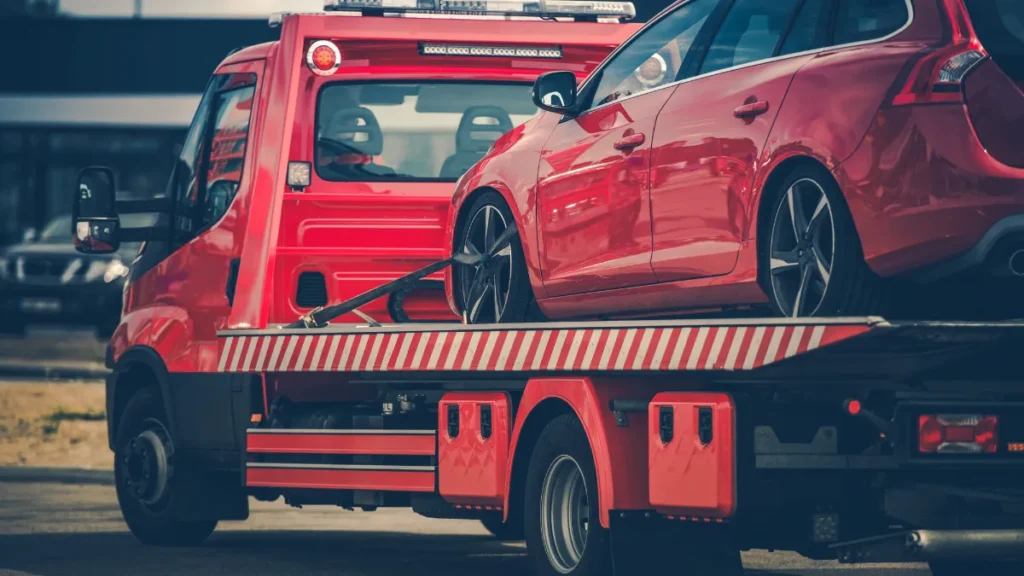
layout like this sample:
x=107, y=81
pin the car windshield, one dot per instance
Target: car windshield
x=413, y=131
x=57, y=231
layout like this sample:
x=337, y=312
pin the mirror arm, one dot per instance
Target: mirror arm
x=151, y=205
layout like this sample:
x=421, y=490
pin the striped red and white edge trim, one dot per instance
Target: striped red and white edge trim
x=576, y=349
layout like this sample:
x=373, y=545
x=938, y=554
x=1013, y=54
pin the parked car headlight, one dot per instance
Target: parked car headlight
x=115, y=269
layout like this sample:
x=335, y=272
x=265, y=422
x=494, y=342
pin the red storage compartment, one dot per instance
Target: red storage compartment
x=692, y=454
x=472, y=447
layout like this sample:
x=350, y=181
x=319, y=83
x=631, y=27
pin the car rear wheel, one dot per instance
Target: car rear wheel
x=498, y=289
x=812, y=261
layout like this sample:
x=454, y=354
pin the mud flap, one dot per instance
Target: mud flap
x=208, y=495
x=644, y=543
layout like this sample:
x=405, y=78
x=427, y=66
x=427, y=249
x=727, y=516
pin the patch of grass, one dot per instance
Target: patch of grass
x=62, y=415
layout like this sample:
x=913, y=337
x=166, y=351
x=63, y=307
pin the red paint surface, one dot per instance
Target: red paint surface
x=688, y=477
x=386, y=481
x=394, y=444
x=472, y=469
x=621, y=468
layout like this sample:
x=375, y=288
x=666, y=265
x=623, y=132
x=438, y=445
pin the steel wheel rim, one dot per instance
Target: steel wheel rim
x=564, y=514
x=484, y=228
x=802, y=249
x=145, y=469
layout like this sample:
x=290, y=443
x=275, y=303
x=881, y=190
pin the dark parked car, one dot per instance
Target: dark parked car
x=46, y=281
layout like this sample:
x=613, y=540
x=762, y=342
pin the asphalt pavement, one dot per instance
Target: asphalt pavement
x=55, y=529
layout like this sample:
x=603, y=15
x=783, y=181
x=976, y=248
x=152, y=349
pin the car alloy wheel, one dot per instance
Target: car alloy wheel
x=802, y=249
x=565, y=514
x=485, y=289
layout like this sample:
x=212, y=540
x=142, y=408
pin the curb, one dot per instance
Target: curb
x=52, y=372
x=56, y=475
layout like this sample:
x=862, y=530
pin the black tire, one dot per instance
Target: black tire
x=850, y=288
x=154, y=523
x=564, y=436
x=976, y=567
x=509, y=531
x=520, y=305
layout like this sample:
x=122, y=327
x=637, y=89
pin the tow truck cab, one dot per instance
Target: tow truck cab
x=350, y=131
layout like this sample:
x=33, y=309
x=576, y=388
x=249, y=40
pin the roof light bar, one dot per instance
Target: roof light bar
x=581, y=10
x=434, y=49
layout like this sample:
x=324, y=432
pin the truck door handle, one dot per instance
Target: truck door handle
x=629, y=142
x=751, y=110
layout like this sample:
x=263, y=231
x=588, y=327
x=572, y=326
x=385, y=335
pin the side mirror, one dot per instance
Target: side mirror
x=94, y=221
x=556, y=92
x=29, y=235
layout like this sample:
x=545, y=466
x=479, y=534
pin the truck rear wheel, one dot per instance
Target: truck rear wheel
x=144, y=471
x=563, y=534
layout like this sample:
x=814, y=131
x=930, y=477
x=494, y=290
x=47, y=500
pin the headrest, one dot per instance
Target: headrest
x=358, y=128
x=480, y=127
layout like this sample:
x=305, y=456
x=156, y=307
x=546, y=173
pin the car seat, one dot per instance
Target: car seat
x=487, y=121
x=351, y=140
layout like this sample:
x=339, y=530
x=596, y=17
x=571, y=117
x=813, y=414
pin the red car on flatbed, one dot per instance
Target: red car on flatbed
x=626, y=447
x=797, y=157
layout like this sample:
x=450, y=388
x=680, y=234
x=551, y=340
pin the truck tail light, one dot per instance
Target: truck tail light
x=957, y=433
x=938, y=76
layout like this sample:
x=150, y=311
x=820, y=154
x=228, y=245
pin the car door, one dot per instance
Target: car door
x=593, y=205
x=712, y=131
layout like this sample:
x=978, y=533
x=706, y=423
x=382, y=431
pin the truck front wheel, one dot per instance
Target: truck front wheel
x=144, y=471
x=563, y=534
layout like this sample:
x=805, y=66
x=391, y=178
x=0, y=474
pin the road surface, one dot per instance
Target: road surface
x=58, y=529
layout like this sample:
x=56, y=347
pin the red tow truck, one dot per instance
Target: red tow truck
x=618, y=447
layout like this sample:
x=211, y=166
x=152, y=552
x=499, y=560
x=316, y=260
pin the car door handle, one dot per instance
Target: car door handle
x=751, y=110
x=629, y=142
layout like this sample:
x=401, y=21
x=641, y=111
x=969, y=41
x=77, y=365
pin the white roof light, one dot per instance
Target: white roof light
x=434, y=49
x=581, y=10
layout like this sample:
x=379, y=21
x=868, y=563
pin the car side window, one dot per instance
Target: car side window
x=655, y=57
x=750, y=32
x=861, y=20
x=809, y=30
x=227, y=152
x=207, y=171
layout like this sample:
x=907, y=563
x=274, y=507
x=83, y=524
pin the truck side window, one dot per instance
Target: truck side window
x=209, y=167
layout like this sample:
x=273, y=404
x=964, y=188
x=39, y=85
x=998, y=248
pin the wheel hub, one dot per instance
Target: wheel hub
x=565, y=514
x=146, y=468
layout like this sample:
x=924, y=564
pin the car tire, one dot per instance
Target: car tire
x=972, y=567
x=510, y=530
x=143, y=470
x=505, y=275
x=562, y=464
x=821, y=271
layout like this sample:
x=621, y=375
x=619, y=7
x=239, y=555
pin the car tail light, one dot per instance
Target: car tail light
x=323, y=58
x=957, y=433
x=938, y=76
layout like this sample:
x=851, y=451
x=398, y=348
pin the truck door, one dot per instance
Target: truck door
x=182, y=294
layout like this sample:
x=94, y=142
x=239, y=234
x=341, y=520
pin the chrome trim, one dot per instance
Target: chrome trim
x=624, y=45
x=365, y=467
x=342, y=432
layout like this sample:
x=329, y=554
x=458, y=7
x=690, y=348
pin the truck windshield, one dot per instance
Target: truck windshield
x=1000, y=27
x=412, y=131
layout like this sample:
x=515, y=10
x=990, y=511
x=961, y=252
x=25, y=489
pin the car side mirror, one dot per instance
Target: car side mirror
x=29, y=235
x=94, y=221
x=556, y=92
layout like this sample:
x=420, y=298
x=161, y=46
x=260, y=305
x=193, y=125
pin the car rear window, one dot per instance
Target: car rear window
x=412, y=131
x=1000, y=27
x=862, y=20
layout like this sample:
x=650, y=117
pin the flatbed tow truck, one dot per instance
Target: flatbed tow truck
x=625, y=447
